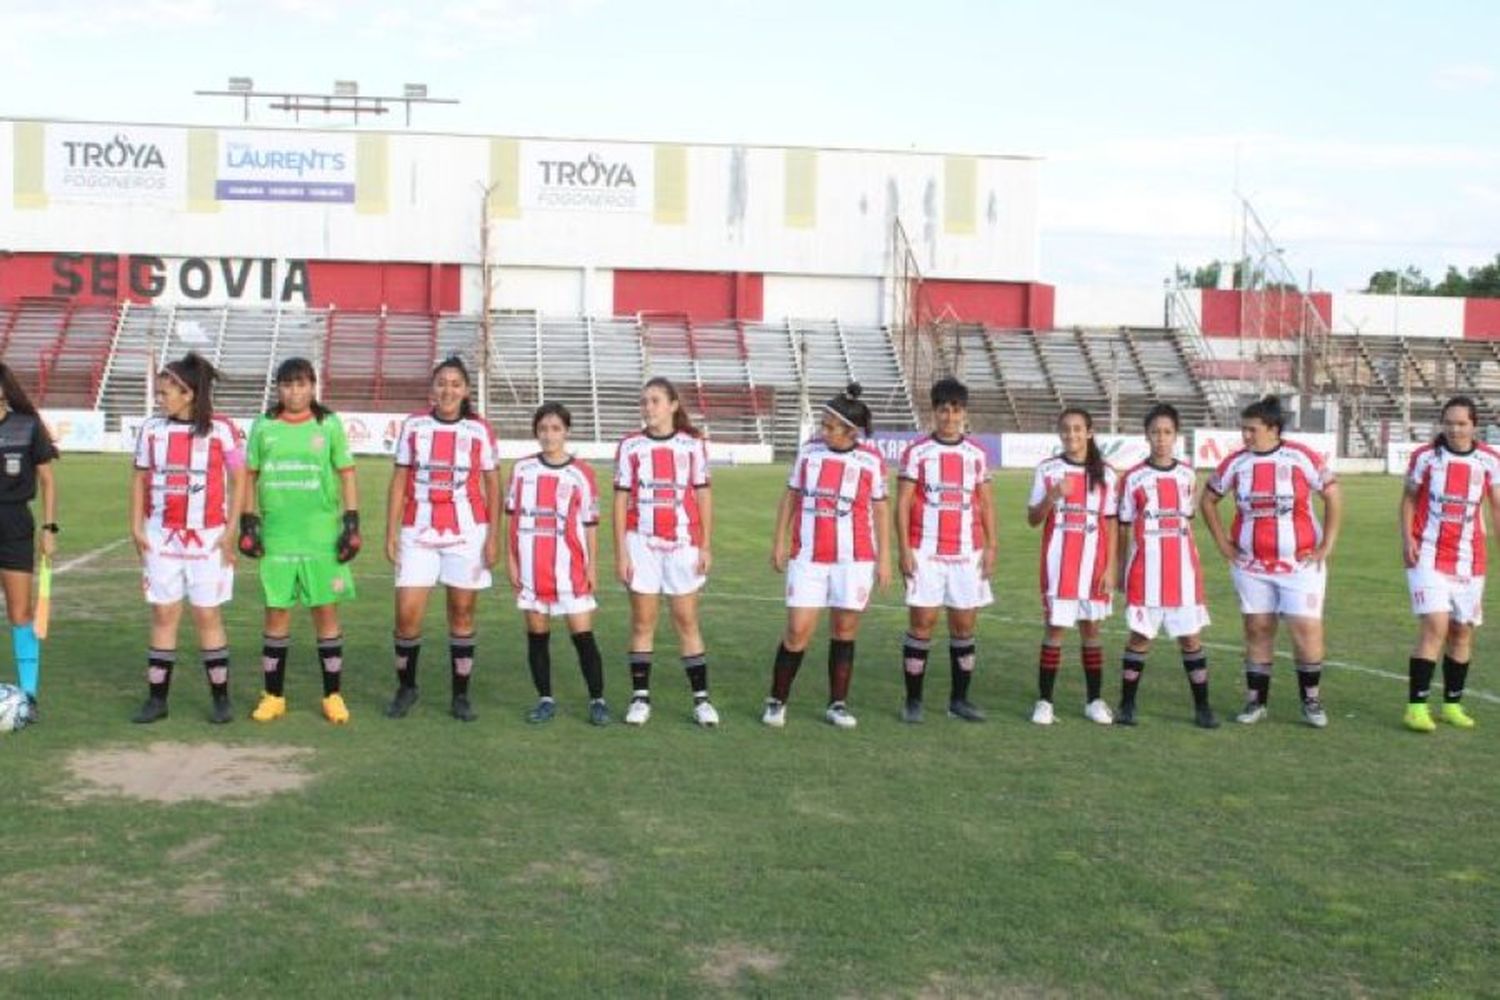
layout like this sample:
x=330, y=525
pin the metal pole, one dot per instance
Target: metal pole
x=484, y=299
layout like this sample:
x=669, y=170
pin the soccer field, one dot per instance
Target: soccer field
x=429, y=858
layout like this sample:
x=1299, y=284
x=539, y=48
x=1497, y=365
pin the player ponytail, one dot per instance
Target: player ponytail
x=193, y=372
x=847, y=407
x=680, y=422
x=16, y=399
x=1093, y=458
x=1268, y=411
x=291, y=370
x=453, y=361
x=1441, y=440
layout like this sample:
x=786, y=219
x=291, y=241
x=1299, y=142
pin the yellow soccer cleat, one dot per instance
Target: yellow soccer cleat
x=334, y=709
x=1418, y=718
x=1454, y=715
x=271, y=707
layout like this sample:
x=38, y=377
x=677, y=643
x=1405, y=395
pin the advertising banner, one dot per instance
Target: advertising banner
x=115, y=163
x=588, y=176
x=75, y=430
x=891, y=444
x=1027, y=451
x=372, y=433
x=285, y=166
x=1210, y=447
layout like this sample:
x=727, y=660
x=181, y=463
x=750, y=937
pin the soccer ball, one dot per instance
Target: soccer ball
x=15, y=710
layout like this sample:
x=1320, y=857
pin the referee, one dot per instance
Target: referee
x=26, y=454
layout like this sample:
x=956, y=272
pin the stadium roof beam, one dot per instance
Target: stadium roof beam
x=344, y=99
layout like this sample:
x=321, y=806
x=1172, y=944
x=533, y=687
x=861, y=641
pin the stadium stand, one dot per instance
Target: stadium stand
x=745, y=381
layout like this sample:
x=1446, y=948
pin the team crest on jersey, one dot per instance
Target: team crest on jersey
x=338, y=585
x=317, y=440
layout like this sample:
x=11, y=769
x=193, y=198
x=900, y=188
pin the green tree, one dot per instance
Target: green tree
x=1410, y=281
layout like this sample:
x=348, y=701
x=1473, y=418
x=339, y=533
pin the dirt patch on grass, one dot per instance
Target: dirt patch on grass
x=194, y=849
x=727, y=962
x=188, y=772
x=574, y=868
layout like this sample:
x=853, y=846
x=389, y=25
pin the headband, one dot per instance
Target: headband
x=845, y=420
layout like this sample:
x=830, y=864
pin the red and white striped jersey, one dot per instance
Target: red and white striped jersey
x=835, y=520
x=550, y=509
x=447, y=460
x=1075, y=551
x=189, y=481
x=661, y=476
x=947, y=476
x=1448, y=521
x=1158, y=504
x=1274, y=528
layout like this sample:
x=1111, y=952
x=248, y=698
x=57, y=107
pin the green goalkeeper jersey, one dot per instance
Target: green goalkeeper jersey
x=297, y=482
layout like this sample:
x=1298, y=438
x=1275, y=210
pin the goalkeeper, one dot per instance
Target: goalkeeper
x=301, y=519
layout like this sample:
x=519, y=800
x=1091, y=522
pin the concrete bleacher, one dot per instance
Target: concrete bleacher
x=745, y=382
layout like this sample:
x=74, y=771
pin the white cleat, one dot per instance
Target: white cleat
x=1041, y=713
x=1098, y=711
x=775, y=714
x=705, y=714
x=838, y=715
x=1252, y=713
x=639, y=712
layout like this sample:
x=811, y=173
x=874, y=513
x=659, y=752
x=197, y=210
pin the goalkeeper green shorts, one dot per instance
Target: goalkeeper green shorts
x=311, y=581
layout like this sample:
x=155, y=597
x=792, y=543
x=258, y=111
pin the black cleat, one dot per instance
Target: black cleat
x=152, y=709
x=1125, y=714
x=33, y=711
x=222, y=712
x=405, y=698
x=461, y=710
x=598, y=712
x=544, y=710
x=961, y=708
x=911, y=711
x=1204, y=718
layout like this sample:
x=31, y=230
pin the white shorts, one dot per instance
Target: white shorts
x=186, y=564
x=948, y=582
x=1177, y=621
x=426, y=557
x=845, y=586
x=658, y=567
x=526, y=600
x=1298, y=594
x=1461, y=597
x=1068, y=613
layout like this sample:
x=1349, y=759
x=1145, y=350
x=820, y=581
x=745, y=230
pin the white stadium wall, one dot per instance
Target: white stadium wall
x=1108, y=306
x=564, y=206
x=1403, y=316
x=851, y=300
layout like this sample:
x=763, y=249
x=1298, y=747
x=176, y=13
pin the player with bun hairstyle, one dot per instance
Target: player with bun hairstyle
x=442, y=527
x=945, y=531
x=187, y=489
x=663, y=524
x=301, y=517
x=1074, y=497
x=26, y=454
x=552, y=557
x=1277, y=551
x=832, y=540
x=1159, y=568
x=1448, y=483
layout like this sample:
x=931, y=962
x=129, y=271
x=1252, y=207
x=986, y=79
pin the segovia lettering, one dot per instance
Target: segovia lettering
x=194, y=278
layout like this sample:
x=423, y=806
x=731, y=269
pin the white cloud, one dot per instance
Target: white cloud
x=1463, y=76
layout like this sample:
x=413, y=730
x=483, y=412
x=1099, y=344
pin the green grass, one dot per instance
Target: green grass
x=431, y=858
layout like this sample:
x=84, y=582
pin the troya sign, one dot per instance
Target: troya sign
x=114, y=163
x=206, y=280
x=285, y=166
x=588, y=176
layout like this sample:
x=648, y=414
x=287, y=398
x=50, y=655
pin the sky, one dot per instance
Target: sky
x=1365, y=135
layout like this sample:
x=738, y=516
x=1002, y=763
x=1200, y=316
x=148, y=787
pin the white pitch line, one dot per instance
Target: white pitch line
x=89, y=556
x=1359, y=668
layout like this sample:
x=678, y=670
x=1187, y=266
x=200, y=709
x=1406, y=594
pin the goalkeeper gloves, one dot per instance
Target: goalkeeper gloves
x=250, y=540
x=349, y=540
